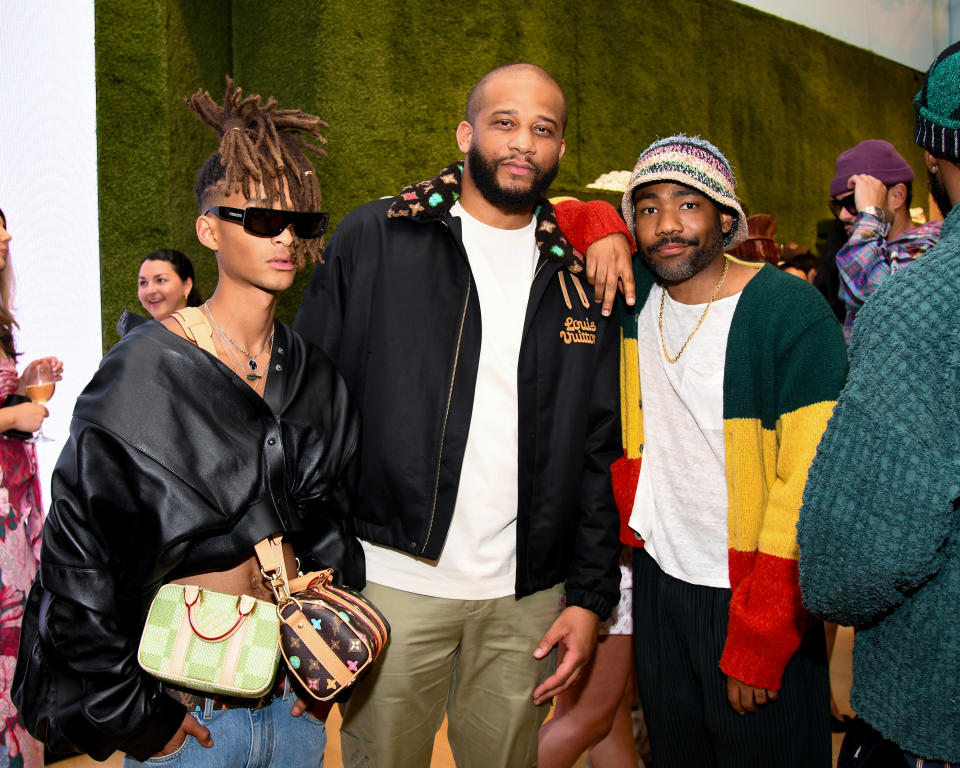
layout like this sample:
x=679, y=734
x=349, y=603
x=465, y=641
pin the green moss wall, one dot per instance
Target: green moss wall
x=392, y=79
x=149, y=55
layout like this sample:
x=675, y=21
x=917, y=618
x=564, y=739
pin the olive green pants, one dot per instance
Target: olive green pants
x=469, y=659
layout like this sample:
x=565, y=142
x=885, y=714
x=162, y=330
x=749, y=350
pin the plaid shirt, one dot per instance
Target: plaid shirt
x=867, y=259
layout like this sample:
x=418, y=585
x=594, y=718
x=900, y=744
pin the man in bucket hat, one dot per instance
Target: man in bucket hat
x=739, y=366
x=879, y=533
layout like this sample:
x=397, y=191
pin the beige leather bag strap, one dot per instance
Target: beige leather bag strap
x=270, y=554
x=324, y=654
x=196, y=328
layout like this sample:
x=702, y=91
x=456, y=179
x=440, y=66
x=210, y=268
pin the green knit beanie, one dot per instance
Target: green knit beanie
x=938, y=106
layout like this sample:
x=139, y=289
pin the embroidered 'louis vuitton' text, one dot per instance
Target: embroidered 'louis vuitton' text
x=579, y=331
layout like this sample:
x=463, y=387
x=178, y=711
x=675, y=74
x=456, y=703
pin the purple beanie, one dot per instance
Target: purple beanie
x=875, y=157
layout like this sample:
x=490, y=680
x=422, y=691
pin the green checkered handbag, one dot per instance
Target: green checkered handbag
x=211, y=641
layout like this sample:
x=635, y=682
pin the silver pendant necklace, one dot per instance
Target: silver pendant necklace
x=251, y=359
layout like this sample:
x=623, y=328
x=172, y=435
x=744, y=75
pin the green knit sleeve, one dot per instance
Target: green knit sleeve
x=878, y=504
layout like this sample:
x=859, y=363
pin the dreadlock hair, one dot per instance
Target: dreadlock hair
x=7, y=322
x=261, y=146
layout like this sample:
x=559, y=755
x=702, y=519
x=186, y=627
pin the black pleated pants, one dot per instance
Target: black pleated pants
x=679, y=630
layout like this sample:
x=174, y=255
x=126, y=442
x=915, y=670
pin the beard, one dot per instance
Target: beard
x=939, y=193
x=484, y=174
x=674, y=271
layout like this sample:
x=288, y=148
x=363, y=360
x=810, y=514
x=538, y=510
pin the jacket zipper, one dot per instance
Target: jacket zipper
x=446, y=412
x=539, y=270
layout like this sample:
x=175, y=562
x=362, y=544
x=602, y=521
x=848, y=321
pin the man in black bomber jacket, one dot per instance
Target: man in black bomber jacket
x=488, y=387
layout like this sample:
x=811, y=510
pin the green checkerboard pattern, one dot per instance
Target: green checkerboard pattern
x=213, y=615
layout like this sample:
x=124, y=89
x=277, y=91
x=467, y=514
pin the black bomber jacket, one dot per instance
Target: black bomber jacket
x=395, y=307
x=174, y=466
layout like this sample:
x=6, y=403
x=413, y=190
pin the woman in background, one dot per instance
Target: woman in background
x=167, y=283
x=21, y=512
x=594, y=714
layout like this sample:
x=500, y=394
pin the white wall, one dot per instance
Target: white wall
x=911, y=32
x=48, y=191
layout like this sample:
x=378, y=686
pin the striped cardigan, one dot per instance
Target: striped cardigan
x=785, y=365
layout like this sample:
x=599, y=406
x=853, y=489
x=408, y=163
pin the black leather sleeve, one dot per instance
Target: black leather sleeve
x=15, y=399
x=172, y=468
x=77, y=682
x=324, y=479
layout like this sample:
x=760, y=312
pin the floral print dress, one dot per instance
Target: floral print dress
x=21, y=520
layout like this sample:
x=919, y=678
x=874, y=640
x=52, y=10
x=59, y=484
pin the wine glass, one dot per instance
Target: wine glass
x=40, y=386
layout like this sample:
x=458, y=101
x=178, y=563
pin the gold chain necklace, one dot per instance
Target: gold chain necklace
x=663, y=298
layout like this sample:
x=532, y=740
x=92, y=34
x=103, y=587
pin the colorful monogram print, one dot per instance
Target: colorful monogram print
x=433, y=199
x=347, y=636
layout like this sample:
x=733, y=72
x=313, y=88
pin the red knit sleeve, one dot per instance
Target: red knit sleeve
x=767, y=618
x=585, y=223
x=624, y=475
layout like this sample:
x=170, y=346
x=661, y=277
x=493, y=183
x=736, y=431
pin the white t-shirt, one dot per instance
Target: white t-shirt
x=479, y=557
x=680, y=509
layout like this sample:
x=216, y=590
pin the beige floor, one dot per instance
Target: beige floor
x=840, y=678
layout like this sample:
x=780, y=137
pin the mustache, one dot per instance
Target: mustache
x=520, y=160
x=671, y=241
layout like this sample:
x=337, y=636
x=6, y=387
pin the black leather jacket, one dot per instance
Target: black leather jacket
x=395, y=307
x=174, y=466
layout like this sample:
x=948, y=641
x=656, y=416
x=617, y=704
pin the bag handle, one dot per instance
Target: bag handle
x=193, y=595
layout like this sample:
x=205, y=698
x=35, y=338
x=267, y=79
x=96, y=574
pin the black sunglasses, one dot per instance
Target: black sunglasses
x=270, y=222
x=846, y=204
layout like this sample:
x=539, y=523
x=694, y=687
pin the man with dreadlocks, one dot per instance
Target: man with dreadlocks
x=185, y=450
x=485, y=494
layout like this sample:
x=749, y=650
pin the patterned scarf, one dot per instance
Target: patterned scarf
x=432, y=199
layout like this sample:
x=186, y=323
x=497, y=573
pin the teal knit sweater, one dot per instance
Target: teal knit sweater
x=879, y=531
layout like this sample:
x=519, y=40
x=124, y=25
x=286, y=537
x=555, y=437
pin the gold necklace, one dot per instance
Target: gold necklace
x=663, y=298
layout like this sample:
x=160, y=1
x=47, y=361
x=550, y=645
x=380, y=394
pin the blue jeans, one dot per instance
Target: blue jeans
x=243, y=738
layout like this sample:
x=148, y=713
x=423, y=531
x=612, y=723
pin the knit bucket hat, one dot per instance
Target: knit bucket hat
x=696, y=163
x=937, y=128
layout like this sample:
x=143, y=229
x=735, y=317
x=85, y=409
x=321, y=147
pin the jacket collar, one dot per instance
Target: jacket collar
x=431, y=200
